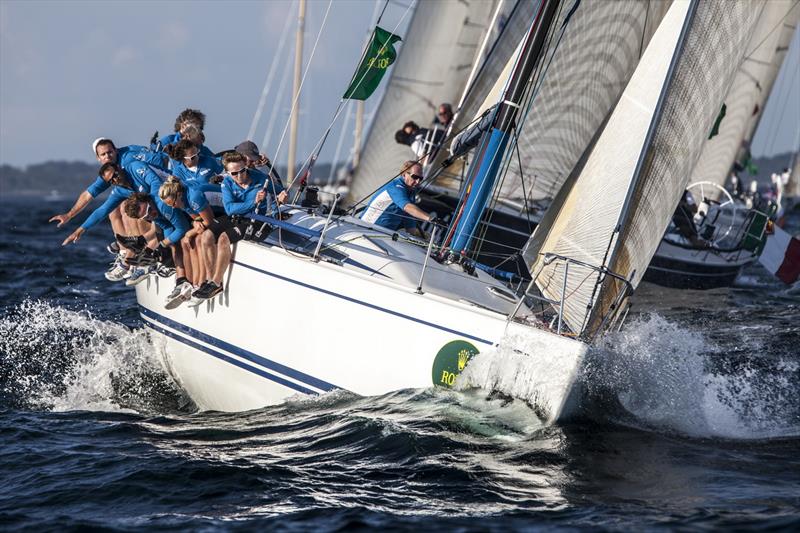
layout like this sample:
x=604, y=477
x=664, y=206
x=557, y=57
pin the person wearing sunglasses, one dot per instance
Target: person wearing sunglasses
x=189, y=124
x=244, y=190
x=391, y=207
x=106, y=152
x=194, y=167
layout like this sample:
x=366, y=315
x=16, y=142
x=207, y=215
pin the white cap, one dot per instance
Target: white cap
x=98, y=141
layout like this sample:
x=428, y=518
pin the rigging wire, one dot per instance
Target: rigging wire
x=296, y=98
x=270, y=76
x=318, y=147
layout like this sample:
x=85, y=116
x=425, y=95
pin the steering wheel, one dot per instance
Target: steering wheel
x=712, y=211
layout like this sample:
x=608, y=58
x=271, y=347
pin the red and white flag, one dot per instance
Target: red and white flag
x=781, y=256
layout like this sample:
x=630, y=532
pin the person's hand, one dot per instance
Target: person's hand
x=260, y=195
x=216, y=180
x=199, y=227
x=73, y=237
x=262, y=160
x=282, y=196
x=436, y=221
x=62, y=219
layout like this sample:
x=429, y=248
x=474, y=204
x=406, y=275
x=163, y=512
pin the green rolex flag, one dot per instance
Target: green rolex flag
x=380, y=54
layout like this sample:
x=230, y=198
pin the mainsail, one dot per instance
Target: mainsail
x=434, y=62
x=623, y=199
x=742, y=100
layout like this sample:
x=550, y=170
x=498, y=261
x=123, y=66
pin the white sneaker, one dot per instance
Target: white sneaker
x=117, y=272
x=138, y=275
x=181, y=293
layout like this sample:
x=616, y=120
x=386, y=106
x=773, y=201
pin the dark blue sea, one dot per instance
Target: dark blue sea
x=694, y=422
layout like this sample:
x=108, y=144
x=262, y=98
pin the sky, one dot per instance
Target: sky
x=71, y=71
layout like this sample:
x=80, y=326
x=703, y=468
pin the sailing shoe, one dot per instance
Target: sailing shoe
x=118, y=271
x=113, y=248
x=207, y=290
x=181, y=293
x=164, y=271
x=138, y=275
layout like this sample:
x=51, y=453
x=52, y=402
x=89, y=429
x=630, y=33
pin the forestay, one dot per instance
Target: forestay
x=435, y=59
x=741, y=102
x=640, y=165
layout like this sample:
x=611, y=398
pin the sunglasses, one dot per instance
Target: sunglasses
x=115, y=177
x=237, y=172
x=190, y=157
x=416, y=177
x=146, y=211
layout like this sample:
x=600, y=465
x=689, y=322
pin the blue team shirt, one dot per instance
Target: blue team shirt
x=173, y=138
x=172, y=221
x=146, y=178
x=194, y=200
x=239, y=201
x=385, y=208
x=116, y=197
x=207, y=168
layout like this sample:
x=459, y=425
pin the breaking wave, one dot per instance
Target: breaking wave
x=58, y=359
x=664, y=376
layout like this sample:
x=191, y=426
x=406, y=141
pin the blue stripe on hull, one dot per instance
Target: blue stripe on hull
x=244, y=354
x=366, y=304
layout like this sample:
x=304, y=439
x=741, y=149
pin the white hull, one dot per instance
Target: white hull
x=287, y=325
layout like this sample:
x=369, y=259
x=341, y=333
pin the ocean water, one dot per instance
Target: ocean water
x=693, y=422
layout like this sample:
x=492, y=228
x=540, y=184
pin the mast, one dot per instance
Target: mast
x=298, y=67
x=484, y=174
x=357, y=133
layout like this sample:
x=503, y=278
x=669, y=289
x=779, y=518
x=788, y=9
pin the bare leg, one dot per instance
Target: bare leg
x=186, y=259
x=177, y=254
x=223, y=257
x=209, y=253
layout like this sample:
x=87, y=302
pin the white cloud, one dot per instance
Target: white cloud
x=125, y=56
x=173, y=36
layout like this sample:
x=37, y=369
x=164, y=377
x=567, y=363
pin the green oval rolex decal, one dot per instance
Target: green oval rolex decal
x=450, y=361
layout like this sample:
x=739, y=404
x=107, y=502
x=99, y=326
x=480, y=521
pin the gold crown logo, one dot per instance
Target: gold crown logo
x=463, y=357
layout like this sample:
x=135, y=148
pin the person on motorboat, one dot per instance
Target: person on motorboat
x=106, y=152
x=392, y=207
x=172, y=224
x=244, y=190
x=189, y=124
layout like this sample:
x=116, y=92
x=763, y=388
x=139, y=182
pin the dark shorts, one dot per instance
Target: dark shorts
x=236, y=228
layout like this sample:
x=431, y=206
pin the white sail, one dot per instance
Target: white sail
x=742, y=100
x=785, y=32
x=599, y=50
x=432, y=67
x=640, y=164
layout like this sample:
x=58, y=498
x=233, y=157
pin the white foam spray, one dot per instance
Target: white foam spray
x=58, y=359
x=665, y=376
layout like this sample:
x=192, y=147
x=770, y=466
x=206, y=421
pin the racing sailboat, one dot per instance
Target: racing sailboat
x=323, y=301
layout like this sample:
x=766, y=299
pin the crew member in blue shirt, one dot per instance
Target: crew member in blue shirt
x=193, y=167
x=189, y=124
x=174, y=224
x=193, y=202
x=124, y=184
x=105, y=152
x=244, y=190
x=391, y=206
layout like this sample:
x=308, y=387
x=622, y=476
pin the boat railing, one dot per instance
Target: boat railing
x=531, y=294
